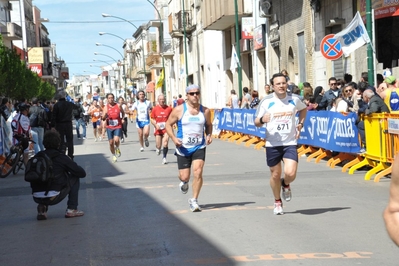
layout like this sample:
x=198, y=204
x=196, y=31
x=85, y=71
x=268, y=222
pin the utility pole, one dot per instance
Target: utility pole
x=370, y=57
x=238, y=51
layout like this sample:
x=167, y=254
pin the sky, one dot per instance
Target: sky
x=74, y=27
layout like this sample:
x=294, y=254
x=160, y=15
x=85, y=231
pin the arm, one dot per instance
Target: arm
x=391, y=213
x=153, y=121
x=173, y=118
x=208, y=126
x=105, y=113
x=301, y=120
x=261, y=116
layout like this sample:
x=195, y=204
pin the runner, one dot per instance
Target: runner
x=123, y=106
x=194, y=132
x=159, y=116
x=95, y=112
x=278, y=111
x=112, y=115
x=143, y=108
x=103, y=124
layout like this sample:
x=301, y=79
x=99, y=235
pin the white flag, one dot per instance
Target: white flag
x=353, y=36
x=234, y=63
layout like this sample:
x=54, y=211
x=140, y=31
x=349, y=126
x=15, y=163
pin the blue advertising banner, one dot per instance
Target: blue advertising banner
x=331, y=131
x=240, y=121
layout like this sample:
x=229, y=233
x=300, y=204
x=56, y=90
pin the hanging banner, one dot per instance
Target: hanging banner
x=382, y=8
x=247, y=28
x=353, y=36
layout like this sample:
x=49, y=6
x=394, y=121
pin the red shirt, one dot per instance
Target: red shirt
x=160, y=114
x=114, y=117
x=180, y=101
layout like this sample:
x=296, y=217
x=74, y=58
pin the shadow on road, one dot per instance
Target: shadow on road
x=318, y=211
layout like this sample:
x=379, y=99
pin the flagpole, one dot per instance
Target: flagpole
x=370, y=56
x=238, y=51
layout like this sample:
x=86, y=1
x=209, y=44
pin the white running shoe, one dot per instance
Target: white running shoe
x=278, y=208
x=114, y=159
x=194, y=207
x=183, y=187
x=141, y=149
x=158, y=151
x=95, y=139
x=164, y=161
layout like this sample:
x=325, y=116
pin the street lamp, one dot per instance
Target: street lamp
x=106, y=33
x=123, y=64
x=142, y=41
x=161, y=44
x=95, y=53
x=105, y=62
x=100, y=44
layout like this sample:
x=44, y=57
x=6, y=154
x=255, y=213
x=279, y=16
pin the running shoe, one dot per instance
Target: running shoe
x=117, y=152
x=100, y=138
x=146, y=143
x=278, y=208
x=141, y=149
x=95, y=139
x=164, y=161
x=70, y=213
x=122, y=140
x=183, y=187
x=158, y=151
x=114, y=159
x=84, y=137
x=285, y=191
x=194, y=207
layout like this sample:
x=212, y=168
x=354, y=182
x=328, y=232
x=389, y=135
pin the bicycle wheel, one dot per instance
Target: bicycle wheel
x=9, y=163
x=18, y=167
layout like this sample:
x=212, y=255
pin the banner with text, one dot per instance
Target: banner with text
x=331, y=131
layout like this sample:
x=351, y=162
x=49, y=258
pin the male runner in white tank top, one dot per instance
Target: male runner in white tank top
x=194, y=132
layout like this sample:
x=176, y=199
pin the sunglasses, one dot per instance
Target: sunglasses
x=333, y=84
x=193, y=93
x=348, y=91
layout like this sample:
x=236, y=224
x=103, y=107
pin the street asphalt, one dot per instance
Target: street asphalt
x=136, y=215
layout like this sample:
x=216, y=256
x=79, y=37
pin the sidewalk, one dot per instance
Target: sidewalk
x=136, y=215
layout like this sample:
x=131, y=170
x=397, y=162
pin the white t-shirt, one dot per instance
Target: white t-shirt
x=143, y=109
x=281, y=130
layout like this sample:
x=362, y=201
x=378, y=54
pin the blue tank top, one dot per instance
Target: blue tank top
x=191, y=131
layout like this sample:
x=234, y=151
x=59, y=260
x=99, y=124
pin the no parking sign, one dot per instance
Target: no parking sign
x=330, y=47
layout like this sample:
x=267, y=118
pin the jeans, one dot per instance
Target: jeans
x=66, y=133
x=36, y=140
x=80, y=122
x=39, y=142
x=72, y=190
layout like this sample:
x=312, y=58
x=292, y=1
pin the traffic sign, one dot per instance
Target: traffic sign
x=331, y=48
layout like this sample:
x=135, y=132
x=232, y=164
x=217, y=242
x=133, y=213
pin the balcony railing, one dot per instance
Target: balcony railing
x=180, y=20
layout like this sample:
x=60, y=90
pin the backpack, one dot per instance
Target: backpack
x=39, y=169
x=394, y=101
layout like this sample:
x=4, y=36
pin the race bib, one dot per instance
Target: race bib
x=161, y=125
x=113, y=122
x=283, y=126
x=96, y=114
x=192, y=139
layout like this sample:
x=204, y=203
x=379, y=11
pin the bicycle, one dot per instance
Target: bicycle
x=15, y=158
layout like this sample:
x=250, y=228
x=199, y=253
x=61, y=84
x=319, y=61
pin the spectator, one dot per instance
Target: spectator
x=66, y=180
x=180, y=100
x=285, y=73
x=318, y=96
x=391, y=95
x=255, y=100
x=375, y=105
x=246, y=99
x=38, y=122
x=5, y=108
x=348, y=78
x=340, y=83
x=347, y=97
x=78, y=114
x=330, y=95
x=307, y=90
x=233, y=100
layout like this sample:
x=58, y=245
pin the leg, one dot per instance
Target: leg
x=35, y=138
x=140, y=132
x=77, y=128
x=198, y=166
x=165, y=141
x=69, y=138
x=158, y=140
x=111, y=141
x=290, y=168
x=146, y=131
x=275, y=182
x=83, y=123
x=40, y=135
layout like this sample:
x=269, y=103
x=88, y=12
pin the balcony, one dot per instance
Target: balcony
x=12, y=31
x=220, y=15
x=178, y=21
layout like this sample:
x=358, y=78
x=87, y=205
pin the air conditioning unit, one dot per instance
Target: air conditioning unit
x=264, y=8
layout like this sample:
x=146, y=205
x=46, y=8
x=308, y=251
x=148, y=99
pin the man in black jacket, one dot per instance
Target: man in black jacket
x=374, y=105
x=78, y=112
x=66, y=180
x=61, y=120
